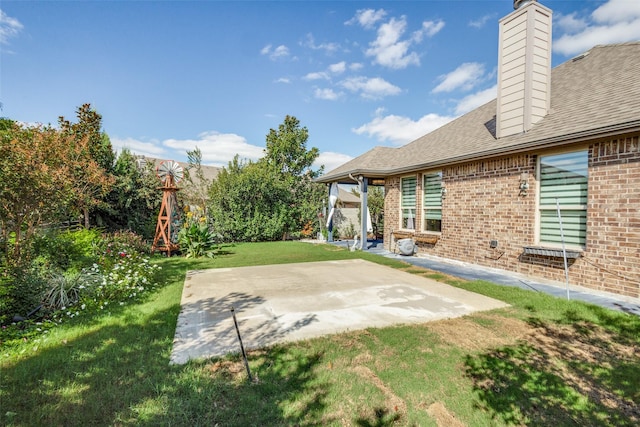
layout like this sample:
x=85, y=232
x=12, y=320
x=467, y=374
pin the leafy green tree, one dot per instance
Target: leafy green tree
x=287, y=154
x=286, y=149
x=90, y=185
x=273, y=197
x=134, y=199
x=89, y=126
x=246, y=202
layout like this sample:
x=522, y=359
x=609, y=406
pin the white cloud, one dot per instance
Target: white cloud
x=388, y=50
x=279, y=52
x=310, y=42
x=482, y=21
x=338, y=68
x=9, y=27
x=330, y=160
x=615, y=11
x=318, y=75
x=151, y=148
x=429, y=29
x=285, y=80
x=217, y=148
x=265, y=50
x=367, y=18
x=616, y=21
x=569, y=23
x=475, y=100
x=465, y=77
x=326, y=94
x=370, y=88
x=355, y=66
x=400, y=130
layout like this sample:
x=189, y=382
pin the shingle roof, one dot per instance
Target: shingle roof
x=595, y=94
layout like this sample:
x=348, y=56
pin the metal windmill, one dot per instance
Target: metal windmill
x=170, y=173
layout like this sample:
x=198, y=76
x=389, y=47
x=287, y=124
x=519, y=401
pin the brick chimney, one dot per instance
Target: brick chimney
x=524, y=68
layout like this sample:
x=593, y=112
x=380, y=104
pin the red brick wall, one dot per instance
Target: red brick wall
x=612, y=257
x=484, y=203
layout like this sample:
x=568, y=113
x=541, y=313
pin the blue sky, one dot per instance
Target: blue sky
x=169, y=76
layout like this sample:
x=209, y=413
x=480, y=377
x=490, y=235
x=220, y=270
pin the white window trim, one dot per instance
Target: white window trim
x=424, y=209
x=415, y=207
x=540, y=207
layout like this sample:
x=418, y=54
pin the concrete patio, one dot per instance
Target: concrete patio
x=288, y=302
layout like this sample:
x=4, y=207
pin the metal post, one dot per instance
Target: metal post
x=363, y=213
x=564, y=251
x=330, y=225
x=244, y=354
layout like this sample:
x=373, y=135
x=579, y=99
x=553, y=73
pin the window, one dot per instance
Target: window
x=563, y=181
x=408, y=202
x=432, y=202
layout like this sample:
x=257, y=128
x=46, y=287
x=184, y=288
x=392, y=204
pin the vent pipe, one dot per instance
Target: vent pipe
x=517, y=4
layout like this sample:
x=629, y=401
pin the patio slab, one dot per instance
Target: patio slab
x=288, y=302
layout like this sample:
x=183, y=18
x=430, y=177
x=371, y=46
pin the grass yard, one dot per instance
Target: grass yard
x=543, y=361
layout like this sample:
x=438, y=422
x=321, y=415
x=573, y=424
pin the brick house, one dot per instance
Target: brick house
x=556, y=157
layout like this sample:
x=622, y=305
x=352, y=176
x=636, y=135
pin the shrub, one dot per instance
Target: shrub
x=196, y=237
x=64, y=291
x=21, y=290
x=348, y=231
x=64, y=251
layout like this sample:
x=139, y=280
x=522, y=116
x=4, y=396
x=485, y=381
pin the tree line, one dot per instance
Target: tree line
x=71, y=173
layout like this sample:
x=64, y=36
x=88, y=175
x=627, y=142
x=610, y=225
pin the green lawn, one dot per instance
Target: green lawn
x=543, y=361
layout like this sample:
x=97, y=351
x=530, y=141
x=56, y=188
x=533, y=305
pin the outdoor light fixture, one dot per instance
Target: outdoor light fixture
x=443, y=192
x=524, y=183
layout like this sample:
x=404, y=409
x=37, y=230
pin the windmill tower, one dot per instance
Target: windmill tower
x=170, y=173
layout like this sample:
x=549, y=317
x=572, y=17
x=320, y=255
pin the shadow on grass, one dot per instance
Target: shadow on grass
x=120, y=375
x=382, y=417
x=576, y=372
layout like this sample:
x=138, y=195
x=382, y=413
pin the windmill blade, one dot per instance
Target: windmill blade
x=170, y=168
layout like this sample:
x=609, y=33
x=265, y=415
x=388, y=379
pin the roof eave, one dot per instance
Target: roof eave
x=541, y=144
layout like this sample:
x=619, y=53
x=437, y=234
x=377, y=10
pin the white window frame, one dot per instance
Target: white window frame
x=574, y=208
x=412, y=208
x=431, y=202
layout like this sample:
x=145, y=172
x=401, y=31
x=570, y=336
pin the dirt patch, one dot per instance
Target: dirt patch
x=394, y=403
x=443, y=417
x=232, y=370
x=480, y=332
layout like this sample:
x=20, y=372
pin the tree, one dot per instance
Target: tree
x=133, y=200
x=89, y=126
x=286, y=149
x=273, y=197
x=197, y=186
x=36, y=181
x=93, y=148
x=286, y=152
x=246, y=202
